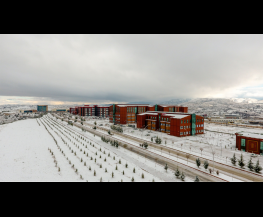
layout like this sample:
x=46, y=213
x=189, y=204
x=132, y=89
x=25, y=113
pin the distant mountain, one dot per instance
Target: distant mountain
x=175, y=101
x=244, y=100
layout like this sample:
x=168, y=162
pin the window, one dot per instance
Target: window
x=243, y=145
x=261, y=148
x=181, y=134
x=181, y=127
x=181, y=121
x=184, y=121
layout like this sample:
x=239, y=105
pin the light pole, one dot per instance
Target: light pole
x=143, y=129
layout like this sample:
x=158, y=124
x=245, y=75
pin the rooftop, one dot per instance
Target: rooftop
x=251, y=135
x=147, y=113
x=132, y=105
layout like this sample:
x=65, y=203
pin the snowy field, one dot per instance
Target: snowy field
x=46, y=150
x=219, y=139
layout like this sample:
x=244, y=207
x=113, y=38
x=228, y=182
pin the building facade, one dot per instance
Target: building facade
x=173, y=123
x=91, y=110
x=249, y=142
x=27, y=111
x=42, y=108
x=127, y=113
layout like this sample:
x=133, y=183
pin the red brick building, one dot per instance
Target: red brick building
x=74, y=111
x=91, y=110
x=172, y=123
x=127, y=113
x=249, y=142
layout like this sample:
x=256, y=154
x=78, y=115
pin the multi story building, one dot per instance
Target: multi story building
x=74, y=111
x=59, y=110
x=88, y=110
x=27, y=111
x=249, y=142
x=42, y=108
x=127, y=113
x=173, y=123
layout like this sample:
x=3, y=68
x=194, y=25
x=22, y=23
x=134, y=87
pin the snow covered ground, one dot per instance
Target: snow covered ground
x=45, y=150
x=217, y=138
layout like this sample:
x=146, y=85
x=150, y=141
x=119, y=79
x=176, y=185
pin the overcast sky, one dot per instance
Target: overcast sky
x=57, y=69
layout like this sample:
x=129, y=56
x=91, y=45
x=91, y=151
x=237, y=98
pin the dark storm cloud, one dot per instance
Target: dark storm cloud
x=112, y=68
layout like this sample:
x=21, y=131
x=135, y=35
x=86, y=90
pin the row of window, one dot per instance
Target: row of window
x=185, y=127
x=185, y=133
x=131, y=109
x=165, y=119
x=188, y=121
x=201, y=125
x=140, y=109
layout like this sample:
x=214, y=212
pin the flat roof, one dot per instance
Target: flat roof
x=179, y=116
x=252, y=135
x=133, y=105
x=169, y=113
x=146, y=113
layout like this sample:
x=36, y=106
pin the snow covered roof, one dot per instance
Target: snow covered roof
x=252, y=135
x=132, y=105
x=148, y=113
x=179, y=116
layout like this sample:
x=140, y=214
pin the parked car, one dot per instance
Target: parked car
x=253, y=155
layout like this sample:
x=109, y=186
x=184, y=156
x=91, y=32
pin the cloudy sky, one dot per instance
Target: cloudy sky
x=58, y=69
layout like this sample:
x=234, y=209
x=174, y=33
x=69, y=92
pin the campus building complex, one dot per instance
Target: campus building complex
x=127, y=113
x=173, y=123
x=88, y=110
x=42, y=108
x=250, y=142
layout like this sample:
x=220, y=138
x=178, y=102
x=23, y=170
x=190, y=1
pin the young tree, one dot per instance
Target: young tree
x=241, y=162
x=206, y=164
x=234, y=160
x=257, y=168
x=182, y=176
x=250, y=165
x=177, y=173
x=166, y=167
x=197, y=179
x=198, y=162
